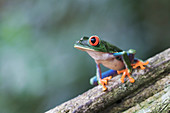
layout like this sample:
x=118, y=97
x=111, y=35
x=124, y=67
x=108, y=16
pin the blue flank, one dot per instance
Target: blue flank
x=94, y=81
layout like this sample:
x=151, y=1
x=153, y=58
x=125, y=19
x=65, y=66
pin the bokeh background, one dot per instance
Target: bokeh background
x=39, y=68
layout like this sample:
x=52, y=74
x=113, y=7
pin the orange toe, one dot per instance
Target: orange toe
x=146, y=63
x=108, y=78
x=131, y=80
x=104, y=88
x=125, y=73
x=123, y=76
x=104, y=82
x=122, y=80
x=119, y=72
x=140, y=64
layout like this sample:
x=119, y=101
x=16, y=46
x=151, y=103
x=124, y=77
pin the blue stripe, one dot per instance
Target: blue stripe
x=93, y=80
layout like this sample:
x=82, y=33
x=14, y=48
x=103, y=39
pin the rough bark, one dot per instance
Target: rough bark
x=150, y=87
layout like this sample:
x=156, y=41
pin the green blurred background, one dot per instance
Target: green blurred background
x=39, y=68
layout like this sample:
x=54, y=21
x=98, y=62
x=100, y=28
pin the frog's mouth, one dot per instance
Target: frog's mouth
x=82, y=48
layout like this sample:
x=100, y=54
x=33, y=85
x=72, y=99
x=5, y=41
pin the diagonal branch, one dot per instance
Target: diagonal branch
x=121, y=97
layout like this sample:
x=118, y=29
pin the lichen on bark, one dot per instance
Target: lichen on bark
x=158, y=103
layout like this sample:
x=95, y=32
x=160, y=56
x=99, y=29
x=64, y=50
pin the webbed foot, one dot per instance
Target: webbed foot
x=140, y=64
x=104, y=81
x=125, y=72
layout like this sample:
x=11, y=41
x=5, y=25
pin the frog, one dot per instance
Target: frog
x=110, y=56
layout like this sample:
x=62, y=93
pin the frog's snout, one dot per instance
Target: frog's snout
x=78, y=41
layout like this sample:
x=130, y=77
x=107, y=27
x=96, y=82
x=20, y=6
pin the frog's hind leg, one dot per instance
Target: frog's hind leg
x=139, y=63
x=105, y=76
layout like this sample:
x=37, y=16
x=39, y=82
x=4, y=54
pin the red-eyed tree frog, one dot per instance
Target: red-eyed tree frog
x=112, y=57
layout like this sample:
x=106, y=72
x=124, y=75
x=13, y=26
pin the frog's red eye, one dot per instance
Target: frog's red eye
x=94, y=40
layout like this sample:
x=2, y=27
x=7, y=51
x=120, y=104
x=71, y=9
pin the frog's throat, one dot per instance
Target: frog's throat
x=83, y=48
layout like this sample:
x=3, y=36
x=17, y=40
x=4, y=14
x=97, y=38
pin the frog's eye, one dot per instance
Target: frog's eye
x=94, y=40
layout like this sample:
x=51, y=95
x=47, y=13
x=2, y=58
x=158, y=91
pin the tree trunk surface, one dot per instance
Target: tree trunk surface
x=149, y=93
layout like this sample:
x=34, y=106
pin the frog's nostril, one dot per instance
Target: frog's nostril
x=77, y=41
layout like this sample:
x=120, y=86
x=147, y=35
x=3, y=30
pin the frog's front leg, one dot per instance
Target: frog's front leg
x=101, y=81
x=128, y=69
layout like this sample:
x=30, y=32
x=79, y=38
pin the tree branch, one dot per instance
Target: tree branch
x=121, y=97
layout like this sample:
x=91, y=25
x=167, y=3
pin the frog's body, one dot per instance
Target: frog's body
x=108, y=60
x=110, y=56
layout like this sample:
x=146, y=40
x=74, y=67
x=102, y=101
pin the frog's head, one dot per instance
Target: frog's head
x=94, y=43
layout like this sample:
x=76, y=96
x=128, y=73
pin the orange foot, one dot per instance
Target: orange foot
x=140, y=64
x=125, y=72
x=103, y=82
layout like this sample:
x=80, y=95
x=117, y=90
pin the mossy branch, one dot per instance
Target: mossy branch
x=124, y=97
